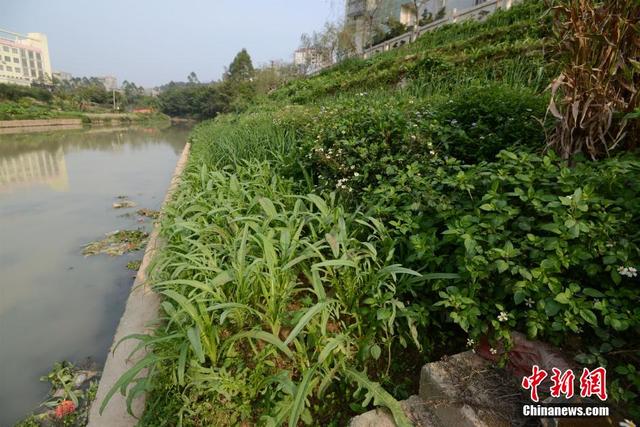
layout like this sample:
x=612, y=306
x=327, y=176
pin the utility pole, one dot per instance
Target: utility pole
x=113, y=90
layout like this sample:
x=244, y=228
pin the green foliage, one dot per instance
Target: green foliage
x=241, y=68
x=393, y=27
x=507, y=47
x=10, y=92
x=274, y=302
x=427, y=156
x=487, y=119
x=192, y=100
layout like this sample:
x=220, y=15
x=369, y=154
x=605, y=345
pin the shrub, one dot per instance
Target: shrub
x=491, y=118
x=11, y=92
x=544, y=243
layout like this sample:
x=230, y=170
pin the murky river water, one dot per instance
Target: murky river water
x=56, y=194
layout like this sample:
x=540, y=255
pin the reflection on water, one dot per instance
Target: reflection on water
x=32, y=168
x=56, y=192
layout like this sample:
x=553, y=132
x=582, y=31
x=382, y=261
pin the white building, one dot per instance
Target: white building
x=24, y=58
x=310, y=59
x=110, y=82
x=62, y=75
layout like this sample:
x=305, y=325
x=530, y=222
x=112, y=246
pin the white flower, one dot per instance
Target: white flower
x=470, y=342
x=627, y=423
x=356, y=174
x=493, y=351
x=503, y=316
x=529, y=302
x=627, y=271
x=433, y=153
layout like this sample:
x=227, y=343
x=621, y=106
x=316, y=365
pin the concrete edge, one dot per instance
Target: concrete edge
x=140, y=312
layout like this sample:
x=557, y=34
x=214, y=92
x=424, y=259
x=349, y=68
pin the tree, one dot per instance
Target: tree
x=192, y=78
x=418, y=7
x=238, y=85
x=321, y=49
x=346, y=41
x=275, y=74
x=370, y=21
x=131, y=93
x=241, y=68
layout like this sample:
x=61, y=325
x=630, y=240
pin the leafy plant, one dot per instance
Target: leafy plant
x=271, y=300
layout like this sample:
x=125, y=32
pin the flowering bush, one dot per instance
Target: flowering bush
x=541, y=248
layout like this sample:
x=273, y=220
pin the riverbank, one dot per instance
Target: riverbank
x=57, y=191
x=141, y=311
x=84, y=119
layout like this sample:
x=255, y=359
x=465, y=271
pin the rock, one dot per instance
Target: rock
x=80, y=379
x=466, y=387
x=84, y=376
x=378, y=417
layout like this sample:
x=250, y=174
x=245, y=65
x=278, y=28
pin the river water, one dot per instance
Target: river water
x=56, y=194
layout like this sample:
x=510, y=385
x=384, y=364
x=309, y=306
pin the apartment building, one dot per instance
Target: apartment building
x=24, y=58
x=310, y=60
x=109, y=82
x=369, y=16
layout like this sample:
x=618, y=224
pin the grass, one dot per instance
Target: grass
x=272, y=301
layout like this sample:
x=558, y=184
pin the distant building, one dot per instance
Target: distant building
x=24, y=58
x=152, y=91
x=62, y=76
x=369, y=16
x=110, y=83
x=310, y=59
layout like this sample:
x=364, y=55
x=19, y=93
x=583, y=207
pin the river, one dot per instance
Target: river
x=56, y=195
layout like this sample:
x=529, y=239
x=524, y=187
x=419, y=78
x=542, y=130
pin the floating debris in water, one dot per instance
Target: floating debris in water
x=124, y=204
x=117, y=243
x=149, y=213
x=69, y=400
x=134, y=265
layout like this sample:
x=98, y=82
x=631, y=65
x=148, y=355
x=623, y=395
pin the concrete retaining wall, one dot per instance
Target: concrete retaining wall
x=139, y=316
x=41, y=122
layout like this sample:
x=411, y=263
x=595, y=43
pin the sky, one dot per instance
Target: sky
x=152, y=42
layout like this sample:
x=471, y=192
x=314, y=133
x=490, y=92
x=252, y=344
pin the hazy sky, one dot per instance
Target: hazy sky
x=151, y=42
